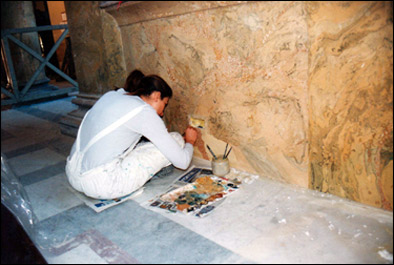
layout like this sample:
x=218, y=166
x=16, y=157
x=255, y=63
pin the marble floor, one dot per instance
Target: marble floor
x=262, y=222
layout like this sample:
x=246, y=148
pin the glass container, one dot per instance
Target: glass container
x=220, y=166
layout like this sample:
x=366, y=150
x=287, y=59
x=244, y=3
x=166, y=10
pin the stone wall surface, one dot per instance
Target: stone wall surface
x=351, y=100
x=244, y=70
x=301, y=90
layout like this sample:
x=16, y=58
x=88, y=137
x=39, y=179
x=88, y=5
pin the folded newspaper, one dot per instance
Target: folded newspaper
x=99, y=205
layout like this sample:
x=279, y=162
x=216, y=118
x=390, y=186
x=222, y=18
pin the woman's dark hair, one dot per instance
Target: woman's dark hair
x=138, y=84
x=133, y=80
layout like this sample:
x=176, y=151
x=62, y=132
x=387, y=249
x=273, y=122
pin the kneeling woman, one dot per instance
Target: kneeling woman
x=105, y=161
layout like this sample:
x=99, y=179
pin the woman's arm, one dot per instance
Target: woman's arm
x=150, y=125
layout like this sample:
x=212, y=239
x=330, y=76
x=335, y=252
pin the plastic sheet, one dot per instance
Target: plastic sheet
x=15, y=198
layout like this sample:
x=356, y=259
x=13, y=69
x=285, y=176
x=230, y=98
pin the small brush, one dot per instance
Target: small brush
x=224, y=155
x=228, y=152
x=211, y=152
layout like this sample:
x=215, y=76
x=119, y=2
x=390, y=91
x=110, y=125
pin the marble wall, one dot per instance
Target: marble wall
x=301, y=90
x=351, y=100
x=244, y=69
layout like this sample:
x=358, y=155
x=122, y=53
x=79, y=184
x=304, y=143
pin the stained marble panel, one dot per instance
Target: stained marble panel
x=241, y=68
x=301, y=90
x=351, y=100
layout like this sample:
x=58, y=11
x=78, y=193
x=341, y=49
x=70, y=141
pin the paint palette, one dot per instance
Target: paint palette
x=199, y=194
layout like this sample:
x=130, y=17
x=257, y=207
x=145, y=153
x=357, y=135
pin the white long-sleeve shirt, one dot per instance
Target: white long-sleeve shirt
x=108, y=109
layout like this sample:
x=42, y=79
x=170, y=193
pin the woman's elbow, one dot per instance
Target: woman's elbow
x=181, y=166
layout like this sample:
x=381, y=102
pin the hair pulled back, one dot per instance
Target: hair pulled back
x=138, y=84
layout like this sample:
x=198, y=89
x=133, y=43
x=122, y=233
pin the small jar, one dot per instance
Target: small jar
x=220, y=166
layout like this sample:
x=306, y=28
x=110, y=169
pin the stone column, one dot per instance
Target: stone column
x=20, y=14
x=98, y=57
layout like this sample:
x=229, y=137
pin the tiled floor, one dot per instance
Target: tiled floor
x=263, y=222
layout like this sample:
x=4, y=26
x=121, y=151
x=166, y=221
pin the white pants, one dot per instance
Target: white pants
x=123, y=175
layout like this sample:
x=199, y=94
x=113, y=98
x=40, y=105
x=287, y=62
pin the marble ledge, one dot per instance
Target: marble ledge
x=132, y=12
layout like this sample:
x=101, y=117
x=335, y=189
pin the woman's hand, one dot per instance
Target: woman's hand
x=191, y=135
